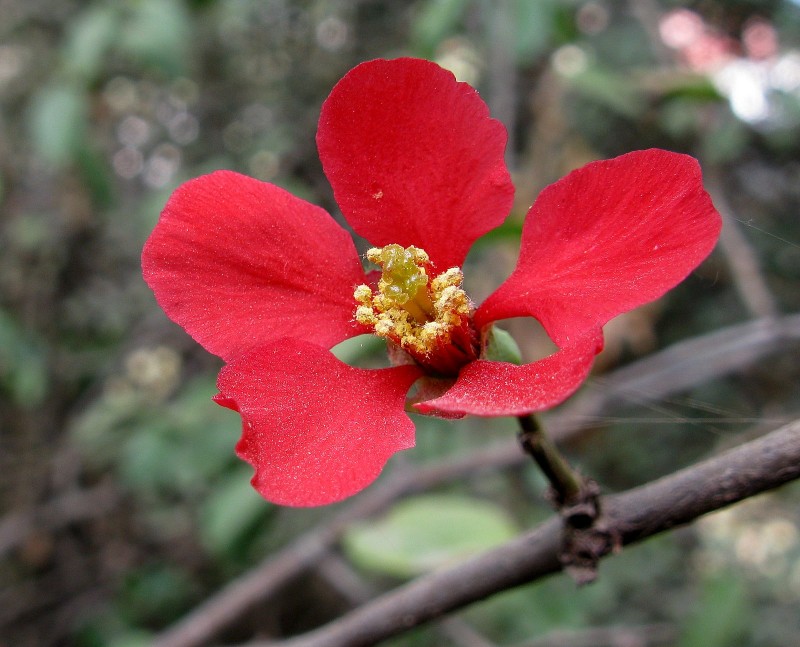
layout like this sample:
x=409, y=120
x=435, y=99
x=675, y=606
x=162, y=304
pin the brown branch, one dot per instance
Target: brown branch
x=352, y=586
x=632, y=516
x=679, y=367
x=240, y=595
x=576, y=498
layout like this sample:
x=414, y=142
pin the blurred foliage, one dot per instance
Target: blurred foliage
x=106, y=107
x=426, y=533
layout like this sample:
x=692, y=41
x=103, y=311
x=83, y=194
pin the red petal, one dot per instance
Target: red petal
x=238, y=262
x=607, y=238
x=315, y=430
x=414, y=158
x=487, y=388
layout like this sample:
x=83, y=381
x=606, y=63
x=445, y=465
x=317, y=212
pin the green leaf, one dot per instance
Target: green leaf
x=436, y=20
x=148, y=460
x=232, y=510
x=614, y=91
x=157, y=33
x=96, y=174
x=534, y=24
x=725, y=140
x=155, y=593
x=57, y=122
x=131, y=638
x=428, y=532
x=721, y=616
x=23, y=364
x=89, y=38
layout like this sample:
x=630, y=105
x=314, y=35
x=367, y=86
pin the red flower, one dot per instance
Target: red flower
x=270, y=282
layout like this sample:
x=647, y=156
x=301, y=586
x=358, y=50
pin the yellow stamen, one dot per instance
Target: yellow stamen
x=417, y=313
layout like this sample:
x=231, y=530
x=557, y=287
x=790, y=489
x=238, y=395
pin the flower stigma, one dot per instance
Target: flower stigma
x=429, y=317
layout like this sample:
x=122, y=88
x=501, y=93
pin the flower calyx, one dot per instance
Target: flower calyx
x=429, y=317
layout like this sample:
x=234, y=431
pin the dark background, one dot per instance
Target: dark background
x=123, y=506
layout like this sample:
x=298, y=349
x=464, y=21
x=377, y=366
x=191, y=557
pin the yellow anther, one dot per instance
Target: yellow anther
x=365, y=316
x=414, y=311
x=383, y=328
x=452, y=277
x=363, y=295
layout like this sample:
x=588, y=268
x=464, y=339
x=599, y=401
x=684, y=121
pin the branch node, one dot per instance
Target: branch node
x=586, y=537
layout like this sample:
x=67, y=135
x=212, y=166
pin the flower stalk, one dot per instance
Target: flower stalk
x=585, y=533
x=566, y=483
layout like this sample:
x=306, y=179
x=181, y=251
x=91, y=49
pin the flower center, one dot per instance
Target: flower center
x=428, y=318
